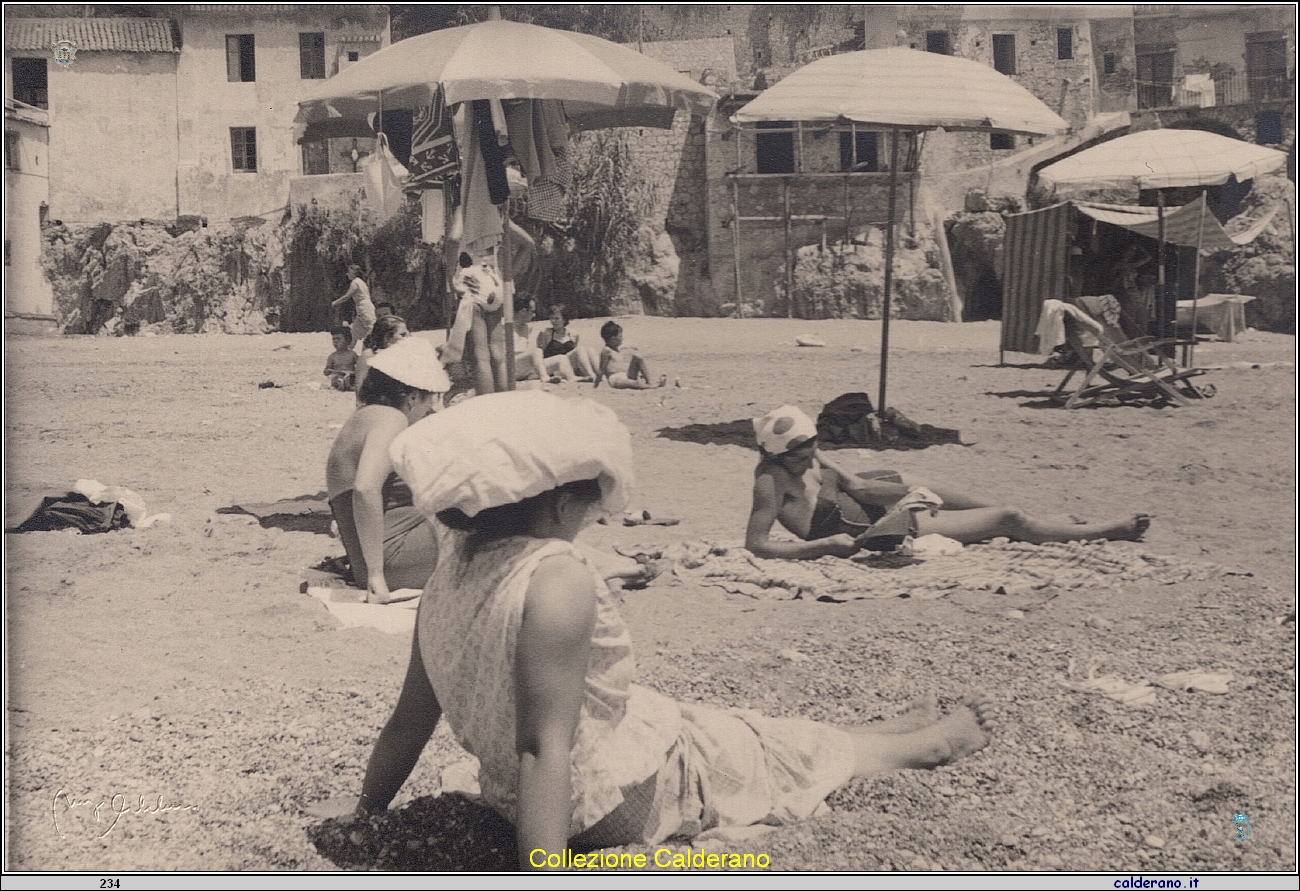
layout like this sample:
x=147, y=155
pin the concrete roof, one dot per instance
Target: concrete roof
x=123, y=35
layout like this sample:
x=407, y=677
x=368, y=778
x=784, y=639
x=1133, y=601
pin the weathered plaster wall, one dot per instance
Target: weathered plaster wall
x=27, y=291
x=1115, y=91
x=208, y=184
x=113, y=137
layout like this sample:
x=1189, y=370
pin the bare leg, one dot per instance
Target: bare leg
x=981, y=524
x=962, y=732
x=481, y=356
x=952, y=499
x=497, y=345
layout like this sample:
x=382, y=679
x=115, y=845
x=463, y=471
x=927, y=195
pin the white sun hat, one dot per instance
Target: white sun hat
x=413, y=361
x=501, y=448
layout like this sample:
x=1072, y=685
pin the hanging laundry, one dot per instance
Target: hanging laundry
x=384, y=176
x=435, y=159
x=476, y=224
x=494, y=154
x=433, y=216
x=539, y=137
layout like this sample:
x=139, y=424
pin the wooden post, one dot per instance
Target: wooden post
x=889, y=269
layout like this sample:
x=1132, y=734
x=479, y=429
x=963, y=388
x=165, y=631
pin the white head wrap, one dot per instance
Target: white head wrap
x=413, y=361
x=504, y=447
x=782, y=426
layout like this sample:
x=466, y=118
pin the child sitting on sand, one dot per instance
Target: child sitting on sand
x=838, y=513
x=623, y=366
x=341, y=366
x=521, y=645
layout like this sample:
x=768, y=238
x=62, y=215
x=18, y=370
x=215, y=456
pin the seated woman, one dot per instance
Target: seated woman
x=520, y=642
x=389, y=543
x=560, y=348
x=833, y=511
x=388, y=330
x=530, y=363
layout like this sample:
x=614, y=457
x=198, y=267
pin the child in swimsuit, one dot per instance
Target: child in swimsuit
x=622, y=366
x=341, y=366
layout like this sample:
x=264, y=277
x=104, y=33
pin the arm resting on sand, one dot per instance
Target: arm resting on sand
x=368, y=501
x=550, y=669
x=402, y=739
x=764, y=514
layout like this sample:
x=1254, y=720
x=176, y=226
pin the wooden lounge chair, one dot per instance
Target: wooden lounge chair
x=1118, y=369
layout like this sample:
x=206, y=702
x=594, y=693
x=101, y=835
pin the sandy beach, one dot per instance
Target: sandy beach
x=175, y=703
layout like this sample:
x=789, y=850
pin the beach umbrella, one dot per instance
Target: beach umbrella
x=600, y=83
x=904, y=90
x=1163, y=159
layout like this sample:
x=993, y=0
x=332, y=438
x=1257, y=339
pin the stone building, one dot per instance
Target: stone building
x=185, y=113
x=29, y=299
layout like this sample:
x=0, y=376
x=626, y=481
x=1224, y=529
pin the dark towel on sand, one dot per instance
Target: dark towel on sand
x=74, y=511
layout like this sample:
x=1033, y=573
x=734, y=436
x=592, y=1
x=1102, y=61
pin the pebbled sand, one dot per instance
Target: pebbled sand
x=180, y=664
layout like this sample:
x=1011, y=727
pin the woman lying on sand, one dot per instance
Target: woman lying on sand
x=389, y=543
x=832, y=509
x=519, y=641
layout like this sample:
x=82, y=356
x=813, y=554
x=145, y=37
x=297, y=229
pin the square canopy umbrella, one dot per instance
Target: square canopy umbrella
x=902, y=89
x=1163, y=159
x=600, y=83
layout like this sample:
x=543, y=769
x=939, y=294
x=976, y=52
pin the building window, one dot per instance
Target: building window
x=353, y=55
x=1155, y=79
x=1001, y=141
x=1004, y=53
x=12, y=155
x=240, y=64
x=315, y=158
x=1108, y=63
x=1268, y=128
x=311, y=55
x=775, y=151
x=31, y=84
x=1265, y=66
x=1065, y=43
x=243, y=149
x=937, y=42
x=860, y=152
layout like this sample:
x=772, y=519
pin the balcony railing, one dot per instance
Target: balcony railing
x=1238, y=89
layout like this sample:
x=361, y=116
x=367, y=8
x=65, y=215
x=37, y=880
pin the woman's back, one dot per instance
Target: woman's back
x=468, y=630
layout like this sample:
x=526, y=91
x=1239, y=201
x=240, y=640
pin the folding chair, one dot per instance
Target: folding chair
x=1124, y=369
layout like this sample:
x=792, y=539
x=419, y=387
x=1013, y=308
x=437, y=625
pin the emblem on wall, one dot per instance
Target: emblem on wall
x=65, y=51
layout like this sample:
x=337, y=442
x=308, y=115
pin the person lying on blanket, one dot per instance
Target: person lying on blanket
x=838, y=513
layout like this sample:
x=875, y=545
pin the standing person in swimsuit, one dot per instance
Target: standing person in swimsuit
x=390, y=545
x=520, y=643
x=557, y=343
x=832, y=510
x=359, y=293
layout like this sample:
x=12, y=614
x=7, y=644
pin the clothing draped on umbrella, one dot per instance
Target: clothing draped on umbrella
x=902, y=89
x=476, y=90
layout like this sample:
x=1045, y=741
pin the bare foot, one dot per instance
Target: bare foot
x=962, y=732
x=1132, y=530
x=919, y=715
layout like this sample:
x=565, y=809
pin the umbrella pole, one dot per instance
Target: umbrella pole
x=1190, y=355
x=889, y=269
x=789, y=266
x=1162, y=320
x=735, y=240
x=508, y=307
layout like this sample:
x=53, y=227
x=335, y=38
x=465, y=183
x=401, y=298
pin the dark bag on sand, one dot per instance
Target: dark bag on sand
x=845, y=420
x=74, y=511
x=851, y=421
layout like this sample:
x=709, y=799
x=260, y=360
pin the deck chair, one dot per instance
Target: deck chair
x=1119, y=369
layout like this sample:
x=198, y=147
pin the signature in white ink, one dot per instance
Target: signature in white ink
x=108, y=811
